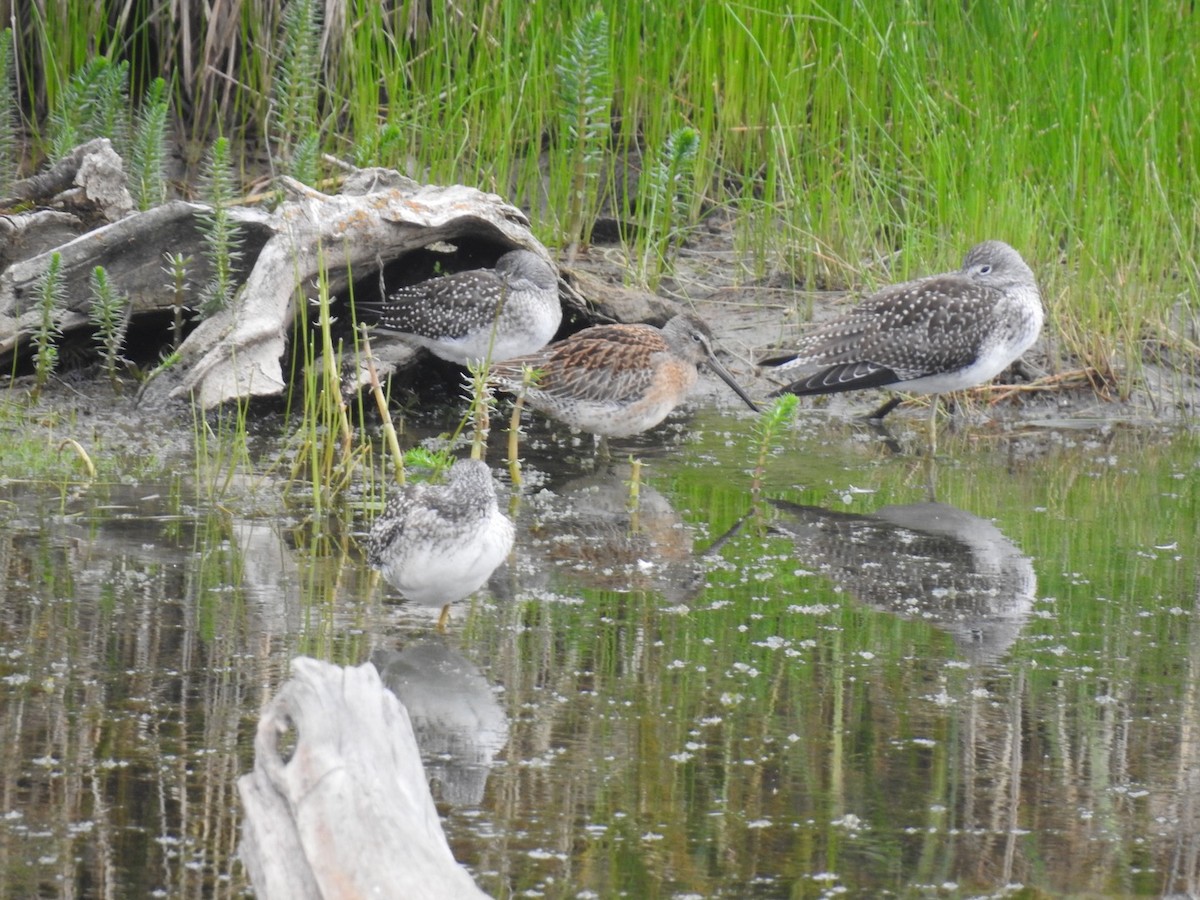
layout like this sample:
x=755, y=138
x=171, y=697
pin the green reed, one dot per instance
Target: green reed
x=9, y=113
x=328, y=454
x=852, y=143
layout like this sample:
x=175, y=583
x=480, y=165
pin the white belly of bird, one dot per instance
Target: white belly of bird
x=612, y=419
x=983, y=370
x=436, y=574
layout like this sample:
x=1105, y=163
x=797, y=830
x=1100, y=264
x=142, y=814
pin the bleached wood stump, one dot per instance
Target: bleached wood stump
x=337, y=805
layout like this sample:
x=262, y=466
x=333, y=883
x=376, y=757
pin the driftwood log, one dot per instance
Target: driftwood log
x=82, y=212
x=345, y=811
x=378, y=218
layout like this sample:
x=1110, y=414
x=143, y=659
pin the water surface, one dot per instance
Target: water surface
x=879, y=677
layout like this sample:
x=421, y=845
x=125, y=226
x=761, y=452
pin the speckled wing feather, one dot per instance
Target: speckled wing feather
x=449, y=307
x=604, y=363
x=405, y=509
x=902, y=332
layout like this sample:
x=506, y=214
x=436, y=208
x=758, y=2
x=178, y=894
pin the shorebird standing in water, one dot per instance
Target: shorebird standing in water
x=438, y=543
x=478, y=314
x=939, y=333
x=616, y=380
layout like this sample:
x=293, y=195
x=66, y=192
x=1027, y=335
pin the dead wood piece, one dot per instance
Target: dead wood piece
x=348, y=812
x=101, y=182
x=132, y=251
x=34, y=232
x=94, y=168
x=616, y=303
x=238, y=352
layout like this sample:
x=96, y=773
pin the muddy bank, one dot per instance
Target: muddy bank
x=389, y=224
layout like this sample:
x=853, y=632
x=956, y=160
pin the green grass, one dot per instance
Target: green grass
x=854, y=142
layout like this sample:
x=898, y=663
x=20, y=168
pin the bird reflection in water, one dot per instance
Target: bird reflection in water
x=589, y=530
x=459, y=724
x=923, y=561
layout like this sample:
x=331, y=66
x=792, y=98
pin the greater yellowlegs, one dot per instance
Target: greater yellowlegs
x=616, y=380
x=438, y=543
x=940, y=333
x=478, y=314
x=928, y=561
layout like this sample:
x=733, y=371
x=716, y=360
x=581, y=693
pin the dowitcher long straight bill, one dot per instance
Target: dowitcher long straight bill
x=726, y=377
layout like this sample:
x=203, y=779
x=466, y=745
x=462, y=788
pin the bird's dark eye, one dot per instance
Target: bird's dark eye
x=985, y=269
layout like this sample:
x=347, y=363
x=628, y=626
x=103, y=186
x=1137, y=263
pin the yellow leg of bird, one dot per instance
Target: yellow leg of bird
x=933, y=410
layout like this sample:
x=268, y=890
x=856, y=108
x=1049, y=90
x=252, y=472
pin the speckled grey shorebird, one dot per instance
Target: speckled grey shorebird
x=438, y=543
x=477, y=314
x=617, y=380
x=940, y=333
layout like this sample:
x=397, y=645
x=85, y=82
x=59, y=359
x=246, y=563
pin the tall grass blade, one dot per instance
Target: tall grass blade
x=10, y=156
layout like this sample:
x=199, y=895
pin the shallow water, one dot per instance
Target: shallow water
x=850, y=692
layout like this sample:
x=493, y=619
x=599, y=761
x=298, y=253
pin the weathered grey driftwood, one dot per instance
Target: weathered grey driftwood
x=83, y=189
x=132, y=251
x=347, y=813
x=378, y=217
x=92, y=173
x=237, y=353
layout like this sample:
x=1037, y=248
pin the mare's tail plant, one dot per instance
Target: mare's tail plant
x=50, y=293
x=382, y=146
x=294, y=91
x=94, y=104
x=667, y=193
x=177, y=271
x=147, y=156
x=306, y=159
x=110, y=316
x=9, y=154
x=585, y=96
x=766, y=426
x=222, y=237
x=479, y=412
